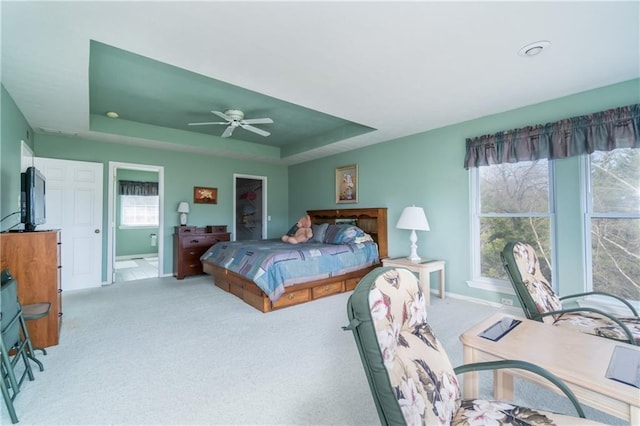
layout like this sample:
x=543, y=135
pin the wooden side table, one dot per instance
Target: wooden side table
x=424, y=268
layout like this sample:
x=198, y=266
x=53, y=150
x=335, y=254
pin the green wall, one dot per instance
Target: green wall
x=182, y=171
x=13, y=129
x=423, y=169
x=134, y=241
x=427, y=170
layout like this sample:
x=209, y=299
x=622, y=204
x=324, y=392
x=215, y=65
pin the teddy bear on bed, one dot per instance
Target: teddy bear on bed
x=300, y=232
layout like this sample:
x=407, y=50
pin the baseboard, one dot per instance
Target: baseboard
x=509, y=309
x=136, y=256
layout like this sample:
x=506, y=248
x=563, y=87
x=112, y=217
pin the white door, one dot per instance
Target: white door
x=74, y=205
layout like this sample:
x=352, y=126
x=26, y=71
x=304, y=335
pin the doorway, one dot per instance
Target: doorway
x=134, y=252
x=249, y=207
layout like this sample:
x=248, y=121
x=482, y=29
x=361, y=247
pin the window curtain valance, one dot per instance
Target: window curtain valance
x=131, y=187
x=600, y=131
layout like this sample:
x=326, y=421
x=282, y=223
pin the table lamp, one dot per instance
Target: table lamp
x=183, y=209
x=413, y=218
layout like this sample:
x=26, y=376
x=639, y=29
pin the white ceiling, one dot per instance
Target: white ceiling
x=400, y=67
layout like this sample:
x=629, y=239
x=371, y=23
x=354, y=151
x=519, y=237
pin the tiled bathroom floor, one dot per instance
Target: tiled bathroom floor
x=136, y=269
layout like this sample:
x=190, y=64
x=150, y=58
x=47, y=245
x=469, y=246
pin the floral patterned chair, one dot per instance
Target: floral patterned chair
x=540, y=302
x=409, y=373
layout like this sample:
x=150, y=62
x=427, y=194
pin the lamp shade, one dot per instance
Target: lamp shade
x=413, y=218
x=183, y=207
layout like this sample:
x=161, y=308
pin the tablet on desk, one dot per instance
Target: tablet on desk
x=625, y=366
x=499, y=329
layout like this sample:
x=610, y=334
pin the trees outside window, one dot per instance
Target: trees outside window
x=515, y=202
x=614, y=211
x=512, y=203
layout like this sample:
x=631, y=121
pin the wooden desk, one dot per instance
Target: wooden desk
x=579, y=359
x=424, y=269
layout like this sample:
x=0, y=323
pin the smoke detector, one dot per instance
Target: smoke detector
x=534, y=49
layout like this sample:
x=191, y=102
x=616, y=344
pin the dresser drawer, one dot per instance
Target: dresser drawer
x=192, y=267
x=199, y=241
x=185, y=230
x=193, y=253
x=327, y=289
x=217, y=229
x=292, y=298
x=223, y=237
x=351, y=283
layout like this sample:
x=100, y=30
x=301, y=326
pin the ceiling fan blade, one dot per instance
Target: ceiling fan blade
x=254, y=130
x=222, y=115
x=228, y=131
x=257, y=121
x=207, y=123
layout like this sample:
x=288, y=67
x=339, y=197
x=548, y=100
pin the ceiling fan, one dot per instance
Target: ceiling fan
x=235, y=118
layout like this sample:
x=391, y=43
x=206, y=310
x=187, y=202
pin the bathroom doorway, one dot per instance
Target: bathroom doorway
x=136, y=222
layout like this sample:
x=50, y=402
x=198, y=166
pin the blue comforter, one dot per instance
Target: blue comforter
x=273, y=264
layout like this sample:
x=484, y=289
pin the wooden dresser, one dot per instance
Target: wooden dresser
x=33, y=258
x=189, y=243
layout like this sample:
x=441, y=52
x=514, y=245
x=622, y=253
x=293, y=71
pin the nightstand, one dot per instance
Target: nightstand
x=424, y=268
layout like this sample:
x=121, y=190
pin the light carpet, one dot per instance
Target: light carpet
x=169, y=352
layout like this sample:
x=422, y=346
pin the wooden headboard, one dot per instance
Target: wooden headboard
x=373, y=221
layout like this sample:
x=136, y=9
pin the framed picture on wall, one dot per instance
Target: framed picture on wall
x=347, y=184
x=204, y=195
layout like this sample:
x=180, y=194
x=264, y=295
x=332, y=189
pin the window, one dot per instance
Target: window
x=613, y=205
x=511, y=201
x=139, y=210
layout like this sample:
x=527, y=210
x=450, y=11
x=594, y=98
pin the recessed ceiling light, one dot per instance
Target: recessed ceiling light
x=112, y=114
x=533, y=49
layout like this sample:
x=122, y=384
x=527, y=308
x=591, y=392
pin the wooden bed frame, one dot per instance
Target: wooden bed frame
x=371, y=220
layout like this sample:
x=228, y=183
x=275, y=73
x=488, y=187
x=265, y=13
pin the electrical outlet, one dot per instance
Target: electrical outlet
x=506, y=301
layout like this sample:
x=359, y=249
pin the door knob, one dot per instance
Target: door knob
x=97, y=231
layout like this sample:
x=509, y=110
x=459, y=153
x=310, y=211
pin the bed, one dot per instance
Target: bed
x=373, y=221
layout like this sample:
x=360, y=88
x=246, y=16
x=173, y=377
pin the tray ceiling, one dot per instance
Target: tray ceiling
x=334, y=76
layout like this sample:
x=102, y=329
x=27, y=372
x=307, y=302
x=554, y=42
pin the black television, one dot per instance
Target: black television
x=32, y=199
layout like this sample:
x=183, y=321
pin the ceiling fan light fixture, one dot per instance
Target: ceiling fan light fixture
x=235, y=114
x=534, y=49
x=234, y=118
